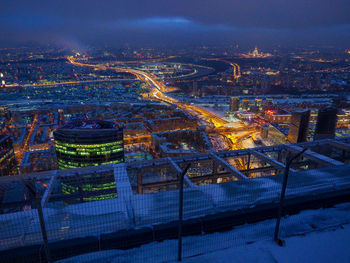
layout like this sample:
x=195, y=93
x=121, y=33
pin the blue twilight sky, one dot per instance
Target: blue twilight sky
x=175, y=21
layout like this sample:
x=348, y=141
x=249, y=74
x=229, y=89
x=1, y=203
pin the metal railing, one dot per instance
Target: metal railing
x=70, y=212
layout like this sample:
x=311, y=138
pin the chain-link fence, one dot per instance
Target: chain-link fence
x=228, y=199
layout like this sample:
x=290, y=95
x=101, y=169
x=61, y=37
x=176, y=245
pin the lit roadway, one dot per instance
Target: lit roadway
x=65, y=83
x=19, y=155
x=236, y=68
x=157, y=91
x=146, y=61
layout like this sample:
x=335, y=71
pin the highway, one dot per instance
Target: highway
x=236, y=68
x=65, y=83
x=145, y=61
x=157, y=92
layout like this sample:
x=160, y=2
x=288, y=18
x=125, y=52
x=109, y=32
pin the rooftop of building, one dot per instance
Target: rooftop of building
x=89, y=124
x=237, y=202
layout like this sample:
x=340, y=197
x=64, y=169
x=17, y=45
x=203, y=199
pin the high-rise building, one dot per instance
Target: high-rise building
x=245, y=105
x=265, y=131
x=8, y=163
x=258, y=103
x=195, y=88
x=326, y=123
x=234, y=104
x=60, y=117
x=88, y=143
x=84, y=143
x=268, y=102
x=299, y=126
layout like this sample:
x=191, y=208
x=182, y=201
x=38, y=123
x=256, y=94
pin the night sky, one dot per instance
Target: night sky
x=264, y=22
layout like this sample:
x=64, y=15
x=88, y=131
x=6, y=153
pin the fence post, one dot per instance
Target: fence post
x=41, y=219
x=283, y=192
x=181, y=193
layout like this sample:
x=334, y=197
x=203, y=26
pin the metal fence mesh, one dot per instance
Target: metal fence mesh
x=123, y=210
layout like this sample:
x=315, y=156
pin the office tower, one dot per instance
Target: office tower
x=265, y=131
x=299, y=126
x=326, y=123
x=245, y=105
x=268, y=102
x=195, y=88
x=258, y=103
x=234, y=104
x=60, y=116
x=88, y=143
x=8, y=163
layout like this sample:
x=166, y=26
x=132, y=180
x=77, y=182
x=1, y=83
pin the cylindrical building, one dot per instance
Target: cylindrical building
x=88, y=143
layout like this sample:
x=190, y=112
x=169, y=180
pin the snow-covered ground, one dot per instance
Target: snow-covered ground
x=321, y=235
x=331, y=245
x=131, y=210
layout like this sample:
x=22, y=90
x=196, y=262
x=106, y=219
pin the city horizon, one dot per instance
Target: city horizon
x=155, y=131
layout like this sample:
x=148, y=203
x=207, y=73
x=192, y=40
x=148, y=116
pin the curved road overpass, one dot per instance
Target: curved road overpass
x=157, y=91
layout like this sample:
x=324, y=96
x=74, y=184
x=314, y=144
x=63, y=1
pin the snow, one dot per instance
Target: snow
x=326, y=246
x=136, y=210
x=23, y=228
x=321, y=235
x=147, y=207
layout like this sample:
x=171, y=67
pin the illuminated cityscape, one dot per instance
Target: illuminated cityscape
x=126, y=124
x=8, y=165
x=256, y=54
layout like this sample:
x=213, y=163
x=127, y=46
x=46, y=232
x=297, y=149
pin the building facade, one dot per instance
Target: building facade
x=299, y=126
x=326, y=123
x=88, y=143
x=234, y=104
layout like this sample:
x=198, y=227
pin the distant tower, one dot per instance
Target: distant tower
x=234, y=104
x=258, y=103
x=299, y=126
x=2, y=79
x=326, y=123
x=265, y=131
x=268, y=102
x=60, y=117
x=245, y=105
x=255, y=52
x=195, y=88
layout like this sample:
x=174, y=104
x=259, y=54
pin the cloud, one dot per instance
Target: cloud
x=245, y=13
x=37, y=19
